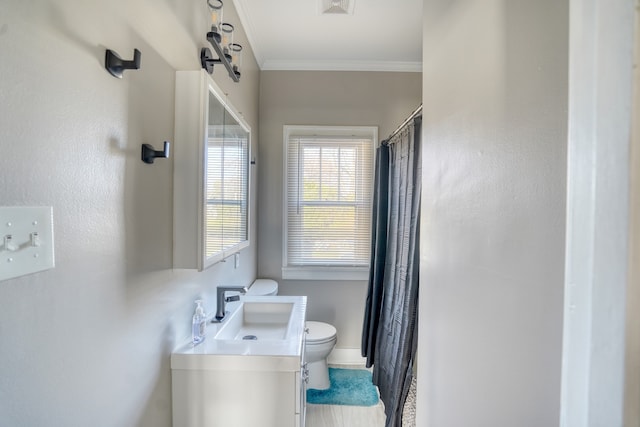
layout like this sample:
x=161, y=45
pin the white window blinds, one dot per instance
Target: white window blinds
x=328, y=197
x=226, y=189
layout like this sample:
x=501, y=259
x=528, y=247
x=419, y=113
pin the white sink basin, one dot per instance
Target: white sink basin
x=257, y=321
x=278, y=322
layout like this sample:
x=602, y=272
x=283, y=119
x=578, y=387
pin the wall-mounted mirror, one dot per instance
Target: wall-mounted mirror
x=211, y=174
x=227, y=180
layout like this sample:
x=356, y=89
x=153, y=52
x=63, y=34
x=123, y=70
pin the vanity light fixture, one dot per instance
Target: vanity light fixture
x=236, y=58
x=215, y=7
x=227, y=38
x=221, y=39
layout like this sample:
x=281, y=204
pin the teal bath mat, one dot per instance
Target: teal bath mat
x=348, y=387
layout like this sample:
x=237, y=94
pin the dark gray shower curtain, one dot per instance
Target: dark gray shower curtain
x=378, y=253
x=389, y=331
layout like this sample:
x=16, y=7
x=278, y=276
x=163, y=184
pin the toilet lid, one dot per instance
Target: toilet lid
x=263, y=287
x=319, y=331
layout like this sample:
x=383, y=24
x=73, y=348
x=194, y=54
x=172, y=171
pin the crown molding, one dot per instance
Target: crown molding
x=249, y=30
x=319, y=65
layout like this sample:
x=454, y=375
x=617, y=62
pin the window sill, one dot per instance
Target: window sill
x=325, y=273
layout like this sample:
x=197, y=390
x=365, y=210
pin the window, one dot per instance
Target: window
x=227, y=185
x=328, y=192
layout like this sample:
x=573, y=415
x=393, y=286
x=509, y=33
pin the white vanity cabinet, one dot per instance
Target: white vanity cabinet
x=239, y=398
x=242, y=383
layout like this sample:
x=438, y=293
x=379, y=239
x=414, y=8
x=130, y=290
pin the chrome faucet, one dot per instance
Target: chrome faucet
x=221, y=299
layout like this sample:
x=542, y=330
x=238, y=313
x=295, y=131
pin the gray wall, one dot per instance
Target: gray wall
x=321, y=98
x=493, y=212
x=88, y=343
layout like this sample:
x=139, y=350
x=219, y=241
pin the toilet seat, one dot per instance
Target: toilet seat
x=320, y=332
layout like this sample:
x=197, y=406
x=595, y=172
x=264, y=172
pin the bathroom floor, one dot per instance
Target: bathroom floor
x=345, y=416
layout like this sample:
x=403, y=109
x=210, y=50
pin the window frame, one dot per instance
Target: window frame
x=322, y=271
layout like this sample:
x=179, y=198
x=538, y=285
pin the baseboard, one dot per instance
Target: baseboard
x=346, y=356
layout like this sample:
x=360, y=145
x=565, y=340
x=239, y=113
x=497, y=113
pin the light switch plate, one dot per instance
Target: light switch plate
x=26, y=240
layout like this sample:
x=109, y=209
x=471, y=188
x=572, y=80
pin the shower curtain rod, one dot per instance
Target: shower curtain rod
x=399, y=128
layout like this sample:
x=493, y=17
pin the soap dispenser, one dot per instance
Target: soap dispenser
x=199, y=324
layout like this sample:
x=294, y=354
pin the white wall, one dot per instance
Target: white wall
x=594, y=372
x=88, y=343
x=321, y=98
x=493, y=212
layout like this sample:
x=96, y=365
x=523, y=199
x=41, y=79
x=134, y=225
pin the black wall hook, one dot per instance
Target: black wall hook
x=149, y=153
x=116, y=65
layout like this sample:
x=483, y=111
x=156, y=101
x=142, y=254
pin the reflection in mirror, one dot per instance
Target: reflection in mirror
x=226, y=181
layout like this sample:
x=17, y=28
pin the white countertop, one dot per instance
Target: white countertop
x=215, y=354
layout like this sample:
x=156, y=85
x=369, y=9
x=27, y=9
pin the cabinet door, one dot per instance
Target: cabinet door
x=301, y=397
x=233, y=398
x=302, y=378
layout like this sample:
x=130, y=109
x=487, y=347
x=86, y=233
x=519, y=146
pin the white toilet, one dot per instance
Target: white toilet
x=321, y=338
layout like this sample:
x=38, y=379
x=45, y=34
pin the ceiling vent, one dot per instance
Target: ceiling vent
x=336, y=7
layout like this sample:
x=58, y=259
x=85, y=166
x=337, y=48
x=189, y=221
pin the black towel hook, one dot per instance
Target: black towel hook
x=116, y=65
x=149, y=153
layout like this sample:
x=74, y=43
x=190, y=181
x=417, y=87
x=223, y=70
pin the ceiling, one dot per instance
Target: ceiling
x=294, y=34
